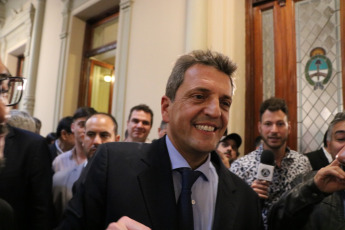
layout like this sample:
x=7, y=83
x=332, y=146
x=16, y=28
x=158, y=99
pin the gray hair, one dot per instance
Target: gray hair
x=339, y=117
x=22, y=120
x=208, y=58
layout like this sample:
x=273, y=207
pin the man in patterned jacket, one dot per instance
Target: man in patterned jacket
x=274, y=129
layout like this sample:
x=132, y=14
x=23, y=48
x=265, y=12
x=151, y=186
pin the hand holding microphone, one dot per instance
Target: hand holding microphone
x=264, y=174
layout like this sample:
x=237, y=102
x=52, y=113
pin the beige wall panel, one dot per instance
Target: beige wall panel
x=48, y=65
x=157, y=39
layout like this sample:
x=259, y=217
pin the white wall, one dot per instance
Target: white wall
x=48, y=65
x=237, y=53
x=157, y=39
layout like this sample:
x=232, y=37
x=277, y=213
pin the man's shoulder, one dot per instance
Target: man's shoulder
x=130, y=147
x=128, y=150
x=314, y=152
x=63, y=156
x=60, y=177
x=246, y=166
x=250, y=158
x=25, y=135
x=300, y=163
x=317, y=153
x=298, y=156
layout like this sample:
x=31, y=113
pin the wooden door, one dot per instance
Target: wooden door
x=272, y=54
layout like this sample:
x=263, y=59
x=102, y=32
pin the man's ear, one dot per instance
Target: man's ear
x=117, y=138
x=165, y=107
x=72, y=127
x=63, y=134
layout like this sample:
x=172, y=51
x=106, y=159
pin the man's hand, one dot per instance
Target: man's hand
x=261, y=188
x=330, y=178
x=126, y=223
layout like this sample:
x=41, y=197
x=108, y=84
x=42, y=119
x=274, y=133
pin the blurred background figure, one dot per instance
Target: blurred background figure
x=139, y=123
x=25, y=176
x=99, y=128
x=162, y=130
x=38, y=124
x=321, y=157
x=64, y=137
x=227, y=148
x=258, y=141
x=50, y=138
x=76, y=155
x=21, y=119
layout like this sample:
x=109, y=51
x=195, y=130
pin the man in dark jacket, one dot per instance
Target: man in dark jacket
x=317, y=202
x=25, y=175
x=144, y=181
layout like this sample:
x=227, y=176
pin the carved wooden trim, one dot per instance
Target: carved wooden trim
x=260, y=2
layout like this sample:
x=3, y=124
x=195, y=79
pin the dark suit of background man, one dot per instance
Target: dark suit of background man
x=139, y=180
x=64, y=137
x=321, y=157
x=26, y=176
x=317, y=200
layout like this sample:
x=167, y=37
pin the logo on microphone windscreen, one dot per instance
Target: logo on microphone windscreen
x=265, y=172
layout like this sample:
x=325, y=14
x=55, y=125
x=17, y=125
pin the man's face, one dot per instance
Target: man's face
x=274, y=129
x=3, y=97
x=162, y=132
x=99, y=129
x=139, y=126
x=78, y=129
x=228, y=148
x=199, y=114
x=337, y=141
x=68, y=139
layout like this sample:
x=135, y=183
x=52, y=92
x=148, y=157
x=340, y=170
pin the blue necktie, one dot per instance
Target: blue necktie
x=184, y=204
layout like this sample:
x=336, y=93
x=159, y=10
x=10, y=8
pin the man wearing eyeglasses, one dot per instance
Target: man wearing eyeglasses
x=25, y=173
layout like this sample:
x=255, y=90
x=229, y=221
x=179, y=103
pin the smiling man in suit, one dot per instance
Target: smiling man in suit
x=143, y=181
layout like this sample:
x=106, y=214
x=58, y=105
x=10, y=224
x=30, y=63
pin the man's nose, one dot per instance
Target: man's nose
x=97, y=140
x=213, y=108
x=274, y=128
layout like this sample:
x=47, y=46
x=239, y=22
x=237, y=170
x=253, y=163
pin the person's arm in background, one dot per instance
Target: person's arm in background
x=294, y=208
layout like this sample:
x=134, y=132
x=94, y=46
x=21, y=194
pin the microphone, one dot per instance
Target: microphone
x=266, y=166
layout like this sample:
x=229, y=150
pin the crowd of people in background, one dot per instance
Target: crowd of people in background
x=83, y=175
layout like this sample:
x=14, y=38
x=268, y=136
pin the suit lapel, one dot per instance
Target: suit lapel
x=226, y=197
x=9, y=142
x=157, y=186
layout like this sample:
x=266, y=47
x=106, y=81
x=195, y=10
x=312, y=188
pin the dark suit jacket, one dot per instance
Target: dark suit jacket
x=26, y=179
x=317, y=159
x=135, y=180
x=53, y=150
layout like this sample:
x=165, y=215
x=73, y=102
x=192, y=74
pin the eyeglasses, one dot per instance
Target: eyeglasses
x=11, y=89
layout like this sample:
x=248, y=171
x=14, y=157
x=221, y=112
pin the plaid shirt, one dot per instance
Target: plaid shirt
x=292, y=165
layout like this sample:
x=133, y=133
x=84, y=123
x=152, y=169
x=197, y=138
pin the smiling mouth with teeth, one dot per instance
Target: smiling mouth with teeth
x=206, y=128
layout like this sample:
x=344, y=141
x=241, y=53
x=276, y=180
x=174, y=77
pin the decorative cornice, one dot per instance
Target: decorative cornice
x=259, y=2
x=124, y=4
x=18, y=18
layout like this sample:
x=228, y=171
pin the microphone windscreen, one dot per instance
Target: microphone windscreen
x=267, y=157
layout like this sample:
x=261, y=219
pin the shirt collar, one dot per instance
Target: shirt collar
x=328, y=155
x=288, y=153
x=178, y=161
